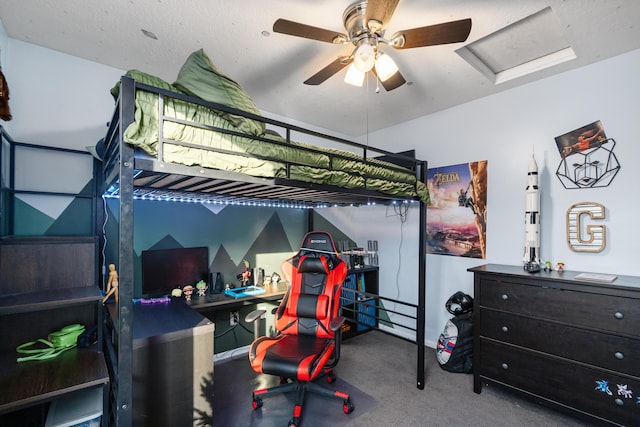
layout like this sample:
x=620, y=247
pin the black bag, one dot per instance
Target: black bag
x=455, y=344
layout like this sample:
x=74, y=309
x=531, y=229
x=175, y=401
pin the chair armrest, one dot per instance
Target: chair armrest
x=254, y=315
x=336, y=323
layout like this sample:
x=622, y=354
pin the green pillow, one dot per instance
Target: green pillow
x=199, y=77
x=145, y=78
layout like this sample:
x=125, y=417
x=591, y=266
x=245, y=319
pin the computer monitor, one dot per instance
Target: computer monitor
x=166, y=269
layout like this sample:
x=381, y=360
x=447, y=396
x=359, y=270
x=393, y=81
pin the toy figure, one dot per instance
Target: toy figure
x=201, y=286
x=176, y=292
x=275, y=278
x=246, y=273
x=560, y=266
x=112, y=284
x=547, y=266
x=266, y=281
x=187, y=291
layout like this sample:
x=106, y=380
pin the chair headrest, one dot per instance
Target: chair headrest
x=319, y=241
x=312, y=265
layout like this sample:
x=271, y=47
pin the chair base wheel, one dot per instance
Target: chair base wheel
x=347, y=407
x=256, y=403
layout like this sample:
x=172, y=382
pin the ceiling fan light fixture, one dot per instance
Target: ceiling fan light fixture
x=385, y=67
x=364, y=57
x=354, y=76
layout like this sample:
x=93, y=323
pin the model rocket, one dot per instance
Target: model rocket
x=531, y=257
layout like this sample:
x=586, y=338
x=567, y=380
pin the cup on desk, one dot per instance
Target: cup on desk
x=258, y=276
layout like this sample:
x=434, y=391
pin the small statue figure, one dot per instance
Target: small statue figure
x=560, y=267
x=547, y=266
x=112, y=284
x=176, y=292
x=275, y=278
x=187, y=291
x=201, y=286
x=246, y=273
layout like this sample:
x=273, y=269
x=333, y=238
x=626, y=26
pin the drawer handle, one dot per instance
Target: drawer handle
x=504, y=297
x=505, y=366
x=505, y=329
x=619, y=402
x=618, y=315
x=619, y=355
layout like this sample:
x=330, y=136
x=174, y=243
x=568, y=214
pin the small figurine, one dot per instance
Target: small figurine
x=201, y=286
x=275, y=278
x=560, y=266
x=547, y=266
x=246, y=273
x=112, y=284
x=187, y=291
x=176, y=293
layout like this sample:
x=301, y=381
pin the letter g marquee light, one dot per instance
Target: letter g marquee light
x=594, y=238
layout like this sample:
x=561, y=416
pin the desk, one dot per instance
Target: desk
x=172, y=360
x=221, y=301
x=217, y=307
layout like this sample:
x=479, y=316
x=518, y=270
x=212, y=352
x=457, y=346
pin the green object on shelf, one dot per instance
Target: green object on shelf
x=59, y=341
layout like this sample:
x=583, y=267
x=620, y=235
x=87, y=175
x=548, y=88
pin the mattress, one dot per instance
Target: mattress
x=194, y=134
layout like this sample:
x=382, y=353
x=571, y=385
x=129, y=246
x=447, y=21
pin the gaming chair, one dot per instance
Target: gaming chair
x=308, y=321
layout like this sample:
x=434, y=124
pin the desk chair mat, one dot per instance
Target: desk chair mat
x=234, y=381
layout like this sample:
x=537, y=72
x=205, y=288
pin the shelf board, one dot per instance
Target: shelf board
x=29, y=383
x=34, y=301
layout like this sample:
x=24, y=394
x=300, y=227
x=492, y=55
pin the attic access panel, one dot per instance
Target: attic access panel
x=531, y=44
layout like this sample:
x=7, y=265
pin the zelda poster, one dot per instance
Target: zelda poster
x=456, y=220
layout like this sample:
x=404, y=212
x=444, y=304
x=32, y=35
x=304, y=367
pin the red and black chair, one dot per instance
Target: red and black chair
x=308, y=321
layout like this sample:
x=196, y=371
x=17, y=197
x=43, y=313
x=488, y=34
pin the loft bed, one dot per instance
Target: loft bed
x=173, y=142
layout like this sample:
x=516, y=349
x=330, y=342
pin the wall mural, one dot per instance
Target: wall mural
x=53, y=215
x=232, y=233
x=456, y=224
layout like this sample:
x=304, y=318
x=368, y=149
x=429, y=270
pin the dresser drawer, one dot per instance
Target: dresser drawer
x=605, y=312
x=598, y=392
x=620, y=354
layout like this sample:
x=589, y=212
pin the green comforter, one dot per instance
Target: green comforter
x=251, y=156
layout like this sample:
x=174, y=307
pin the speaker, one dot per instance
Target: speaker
x=217, y=285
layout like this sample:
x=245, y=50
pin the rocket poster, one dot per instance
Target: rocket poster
x=456, y=219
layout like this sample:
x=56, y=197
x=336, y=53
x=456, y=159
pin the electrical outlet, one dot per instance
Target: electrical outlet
x=234, y=318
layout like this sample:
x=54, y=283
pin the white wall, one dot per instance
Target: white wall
x=505, y=129
x=57, y=99
x=61, y=100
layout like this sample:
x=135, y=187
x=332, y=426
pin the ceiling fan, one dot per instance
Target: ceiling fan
x=366, y=22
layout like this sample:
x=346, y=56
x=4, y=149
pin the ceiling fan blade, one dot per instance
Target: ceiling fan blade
x=393, y=82
x=291, y=28
x=448, y=32
x=381, y=11
x=329, y=70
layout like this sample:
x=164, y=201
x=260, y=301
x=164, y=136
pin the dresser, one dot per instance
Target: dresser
x=566, y=342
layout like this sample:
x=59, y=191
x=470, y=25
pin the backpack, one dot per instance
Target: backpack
x=455, y=344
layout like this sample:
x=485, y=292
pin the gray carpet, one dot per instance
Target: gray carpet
x=380, y=373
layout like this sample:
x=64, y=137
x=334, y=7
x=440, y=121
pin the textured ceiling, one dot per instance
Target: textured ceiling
x=272, y=67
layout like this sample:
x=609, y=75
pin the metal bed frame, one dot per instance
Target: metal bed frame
x=127, y=177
